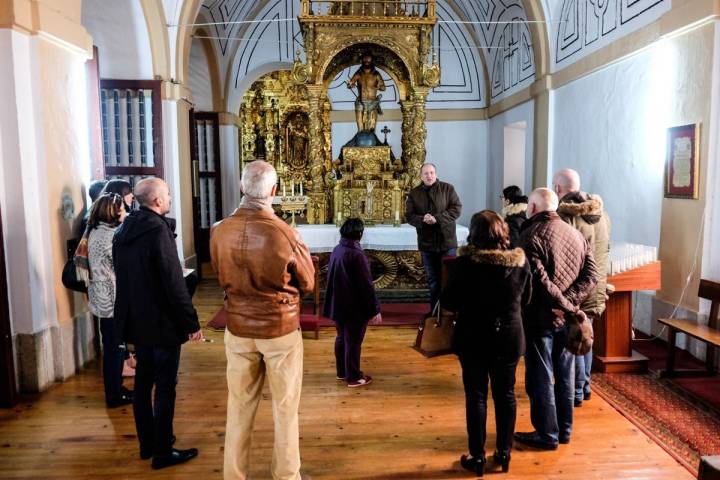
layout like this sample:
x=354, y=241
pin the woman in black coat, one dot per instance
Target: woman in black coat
x=488, y=285
x=514, y=207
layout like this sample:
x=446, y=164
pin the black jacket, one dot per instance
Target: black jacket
x=152, y=305
x=488, y=289
x=514, y=215
x=441, y=201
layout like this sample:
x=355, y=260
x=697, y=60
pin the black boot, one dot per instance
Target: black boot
x=503, y=461
x=476, y=465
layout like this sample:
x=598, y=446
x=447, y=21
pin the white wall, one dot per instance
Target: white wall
x=496, y=151
x=119, y=31
x=609, y=126
x=199, y=78
x=459, y=149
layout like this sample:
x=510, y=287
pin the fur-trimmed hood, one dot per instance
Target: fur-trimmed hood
x=581, y=204
x=513, y=209
x=502, y=258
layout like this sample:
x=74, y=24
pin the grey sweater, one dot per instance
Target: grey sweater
x=101, y=290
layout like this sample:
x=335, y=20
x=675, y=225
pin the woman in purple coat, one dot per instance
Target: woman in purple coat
x=350, y=301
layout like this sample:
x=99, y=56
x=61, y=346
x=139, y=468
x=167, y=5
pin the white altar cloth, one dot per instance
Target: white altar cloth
x=323, y=238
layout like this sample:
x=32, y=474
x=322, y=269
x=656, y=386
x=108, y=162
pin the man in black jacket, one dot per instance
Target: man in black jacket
x=153, y=311
x=432, y=208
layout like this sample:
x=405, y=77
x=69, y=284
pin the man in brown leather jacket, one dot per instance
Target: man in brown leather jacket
x=585, y=212
x=564, y=273
x=264, y=268
x=432, y=208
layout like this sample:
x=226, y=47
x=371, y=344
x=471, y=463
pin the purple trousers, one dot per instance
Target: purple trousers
x=348, y=344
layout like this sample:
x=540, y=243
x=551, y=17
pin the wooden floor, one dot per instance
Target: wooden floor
x=409, y=424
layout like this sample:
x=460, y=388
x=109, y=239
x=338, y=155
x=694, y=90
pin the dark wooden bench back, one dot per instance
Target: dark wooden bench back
x=710, y=290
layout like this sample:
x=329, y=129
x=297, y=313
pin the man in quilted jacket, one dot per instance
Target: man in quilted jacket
x=586, y=214
x=564, y=273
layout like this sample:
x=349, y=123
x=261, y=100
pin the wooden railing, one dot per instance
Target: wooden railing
x=374, y=8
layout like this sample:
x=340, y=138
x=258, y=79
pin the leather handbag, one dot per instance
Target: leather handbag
x=70, y=279
x=580, y=335
x=435, y=333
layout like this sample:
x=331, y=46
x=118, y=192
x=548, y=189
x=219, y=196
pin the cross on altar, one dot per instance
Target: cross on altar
x=385, y=130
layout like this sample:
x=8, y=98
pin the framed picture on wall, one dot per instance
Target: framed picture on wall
x=682, y=161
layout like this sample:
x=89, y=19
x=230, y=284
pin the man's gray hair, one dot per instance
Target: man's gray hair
x=258, y=179
x=428, y=164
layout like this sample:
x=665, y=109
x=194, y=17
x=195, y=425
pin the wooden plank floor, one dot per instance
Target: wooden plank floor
x=409, y=424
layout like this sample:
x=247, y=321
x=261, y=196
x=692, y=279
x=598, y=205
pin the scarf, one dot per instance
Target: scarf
x=81, y=260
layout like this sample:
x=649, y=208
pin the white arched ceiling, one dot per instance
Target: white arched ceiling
x=245, y=48
x=119, y=30
x=578, y=28
x=502, y=30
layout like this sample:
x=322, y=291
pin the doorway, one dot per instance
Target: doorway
x=206, y=187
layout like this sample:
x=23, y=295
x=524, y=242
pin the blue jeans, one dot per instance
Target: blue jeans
x=551, y=405
x=583, y=366
x=432, y=261
x=156, y=366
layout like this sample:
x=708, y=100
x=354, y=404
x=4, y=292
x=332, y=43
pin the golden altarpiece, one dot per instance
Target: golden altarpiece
x=286, y=115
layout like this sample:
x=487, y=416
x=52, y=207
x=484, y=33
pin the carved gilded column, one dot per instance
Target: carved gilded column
x=406, y=107
x=317, y=201
x=418, y=135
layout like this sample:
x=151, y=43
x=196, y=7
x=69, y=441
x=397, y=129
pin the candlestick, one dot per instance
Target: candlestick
x=282, y=183
x=292, y=187
x=397, y=215
x=301, y=188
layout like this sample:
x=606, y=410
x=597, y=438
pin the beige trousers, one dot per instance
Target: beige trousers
x=248, y=361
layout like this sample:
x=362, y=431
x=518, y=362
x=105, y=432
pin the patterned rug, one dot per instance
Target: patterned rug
x=682, y=427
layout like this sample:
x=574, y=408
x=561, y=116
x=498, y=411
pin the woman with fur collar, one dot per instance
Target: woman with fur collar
x=513, y=211
x=488, y=285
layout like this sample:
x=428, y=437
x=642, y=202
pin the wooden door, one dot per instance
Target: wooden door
x=207, y=192
x=8, y=390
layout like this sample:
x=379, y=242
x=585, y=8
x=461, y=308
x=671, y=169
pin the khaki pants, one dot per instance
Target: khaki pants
x=248, y=361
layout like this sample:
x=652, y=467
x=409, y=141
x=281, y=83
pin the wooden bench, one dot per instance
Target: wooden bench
x=710, y=334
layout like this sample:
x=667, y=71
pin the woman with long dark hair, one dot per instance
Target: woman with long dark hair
x=106, y=214
x=488, y=285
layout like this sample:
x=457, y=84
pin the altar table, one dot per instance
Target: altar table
x=395, y=262
x=323, y=238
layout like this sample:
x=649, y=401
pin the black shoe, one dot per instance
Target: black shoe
x=503, y=461
x=176, y=457
x=147, y=454
x=475, y=465
x=119, y=401
x=531, y=439
x=578, y=403
x=587, y=396
x=564, y=440
x=126, y=391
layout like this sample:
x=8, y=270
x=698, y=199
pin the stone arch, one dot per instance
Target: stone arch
x=159, y=41
x=540, y=30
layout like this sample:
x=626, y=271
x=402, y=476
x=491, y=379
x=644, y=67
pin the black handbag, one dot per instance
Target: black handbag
x=69, y=277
